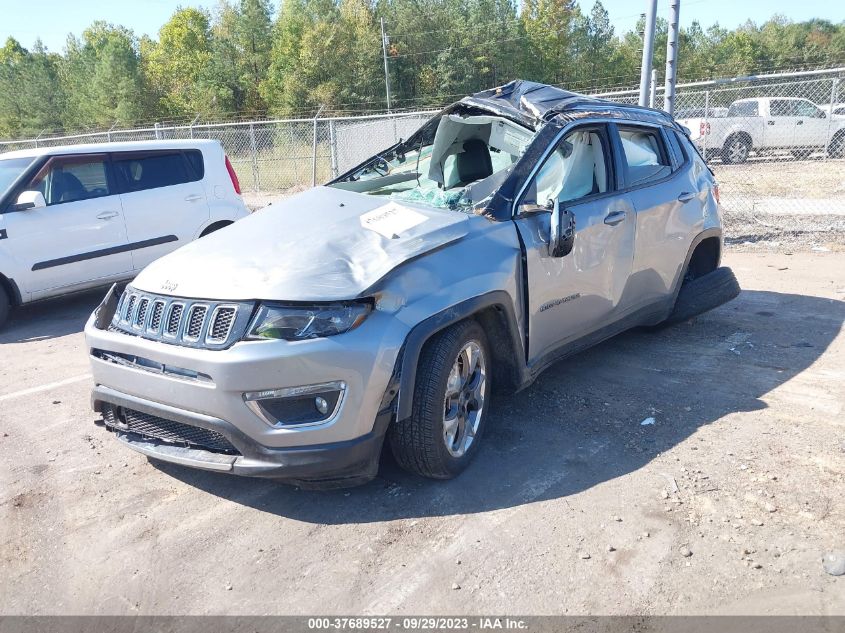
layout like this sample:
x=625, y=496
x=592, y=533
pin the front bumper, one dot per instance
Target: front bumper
x=342, y=451
x=336, y=464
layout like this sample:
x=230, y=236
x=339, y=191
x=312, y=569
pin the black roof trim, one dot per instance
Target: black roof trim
x=533, y=103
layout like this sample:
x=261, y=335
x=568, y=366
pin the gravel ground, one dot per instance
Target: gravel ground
x=725, y=504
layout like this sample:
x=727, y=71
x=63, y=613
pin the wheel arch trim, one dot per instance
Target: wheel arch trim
x=498, y=300
x=698, y=239
x=8, y=284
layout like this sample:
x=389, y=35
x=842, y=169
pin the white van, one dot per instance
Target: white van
x=81, y=216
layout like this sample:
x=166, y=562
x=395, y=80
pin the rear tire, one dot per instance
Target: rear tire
x=736, y=150
x=451, y=402
x=704, y=293
x=836, y=148
x=5, y=306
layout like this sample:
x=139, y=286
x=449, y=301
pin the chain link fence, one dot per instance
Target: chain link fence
x=775, y=143
x=777, y=146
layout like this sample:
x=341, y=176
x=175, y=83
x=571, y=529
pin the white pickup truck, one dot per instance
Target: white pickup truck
x=765, y=124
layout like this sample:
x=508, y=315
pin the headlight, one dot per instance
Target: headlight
x=294, y=323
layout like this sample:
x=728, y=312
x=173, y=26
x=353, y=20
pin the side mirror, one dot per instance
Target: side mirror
x=534, y=209
x=562, y=231
x=822, y=115
x=30, y=200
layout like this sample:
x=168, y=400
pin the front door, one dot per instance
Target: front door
x=571, y=296
x=782, y=129
x=812, y=125
x=79, y=237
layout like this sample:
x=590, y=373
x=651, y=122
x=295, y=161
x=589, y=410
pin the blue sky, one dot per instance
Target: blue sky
x=52, y=20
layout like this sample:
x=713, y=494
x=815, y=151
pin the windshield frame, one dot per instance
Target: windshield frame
x=26, y=170
x=416, y=146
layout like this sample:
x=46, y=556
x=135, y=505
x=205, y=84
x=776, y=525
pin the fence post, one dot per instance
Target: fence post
x=157, y=130
x=192, y=124
x=294, y=145
x=834, y=89
x=256, y=182
x=706, y=123
x=314, y=151
x=333, y=146
x=38, y=137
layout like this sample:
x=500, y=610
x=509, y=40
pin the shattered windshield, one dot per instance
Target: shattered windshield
x=453, y=162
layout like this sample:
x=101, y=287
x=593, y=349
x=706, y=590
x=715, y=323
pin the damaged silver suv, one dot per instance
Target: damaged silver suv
x=518, y=226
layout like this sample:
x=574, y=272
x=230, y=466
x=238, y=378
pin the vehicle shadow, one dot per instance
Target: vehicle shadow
x=51, y=318
x=580, y=424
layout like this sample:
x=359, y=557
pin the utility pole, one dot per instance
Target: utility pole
x=672, y=56
x=386, y=73
x=652, y=91
x=648, y=51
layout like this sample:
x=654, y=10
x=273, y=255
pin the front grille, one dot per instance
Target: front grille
x=221, y=323
x=174, y=318
x=155, y=317
x=192, y=323
x=141, y=315
x=130, y=306
x=154, y=427
x=196, y=318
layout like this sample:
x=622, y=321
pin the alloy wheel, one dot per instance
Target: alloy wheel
x=464, y=401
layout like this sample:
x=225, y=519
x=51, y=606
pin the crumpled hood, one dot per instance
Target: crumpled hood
x=324, y=244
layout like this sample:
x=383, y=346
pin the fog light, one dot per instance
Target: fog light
x=296, y=406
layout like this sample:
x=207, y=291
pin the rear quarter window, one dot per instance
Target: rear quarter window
x=152, y=170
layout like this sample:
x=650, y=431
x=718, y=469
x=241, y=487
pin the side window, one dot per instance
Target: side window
x=744, y=108
x=645, y=155
x=782, y=107
x=576, y=169
x=140, y=171
x=72, y=178
x=194, y=157
x=807, y=109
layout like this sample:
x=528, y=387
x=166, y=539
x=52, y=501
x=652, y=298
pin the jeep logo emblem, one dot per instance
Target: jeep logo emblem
x=169, y=286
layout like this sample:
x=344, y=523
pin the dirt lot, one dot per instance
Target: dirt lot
x=573, y=506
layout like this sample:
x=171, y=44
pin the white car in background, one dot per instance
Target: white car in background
x=81, y=216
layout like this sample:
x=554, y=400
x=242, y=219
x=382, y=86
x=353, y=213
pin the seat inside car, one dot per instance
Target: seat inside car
x=473, y=163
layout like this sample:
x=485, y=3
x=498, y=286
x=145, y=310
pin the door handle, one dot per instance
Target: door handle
x=615, y=218
x=800, y=123
x=193, y=198
x=107, y=215
x=685, y=197
x=770, y=122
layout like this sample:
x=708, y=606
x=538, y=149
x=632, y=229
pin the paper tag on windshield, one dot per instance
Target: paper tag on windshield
x=391, y=219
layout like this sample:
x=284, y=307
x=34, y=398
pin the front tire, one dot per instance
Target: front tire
x=5, y=306
x=836, y=148
x=450, y=406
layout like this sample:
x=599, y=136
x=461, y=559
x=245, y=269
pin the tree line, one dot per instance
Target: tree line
x=253, y=59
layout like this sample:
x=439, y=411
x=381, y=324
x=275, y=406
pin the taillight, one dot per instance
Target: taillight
x=703, y=128
x=716, y=194
x=233, y=176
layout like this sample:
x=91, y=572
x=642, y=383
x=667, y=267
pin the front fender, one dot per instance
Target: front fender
x=499, y=301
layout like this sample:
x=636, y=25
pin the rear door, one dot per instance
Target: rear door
x=79, y=237
x=574, y=295
x=669, y=203
x=163, y=198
